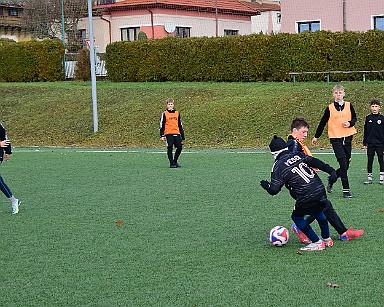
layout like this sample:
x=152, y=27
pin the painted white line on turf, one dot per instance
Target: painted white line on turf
x=223, y=151
x=102, y=151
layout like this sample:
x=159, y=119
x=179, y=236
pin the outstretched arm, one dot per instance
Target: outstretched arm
x=321, y=126
x=316, y=163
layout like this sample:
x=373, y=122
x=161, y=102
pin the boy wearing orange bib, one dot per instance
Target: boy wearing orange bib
x=341, y=119
x=171, y=130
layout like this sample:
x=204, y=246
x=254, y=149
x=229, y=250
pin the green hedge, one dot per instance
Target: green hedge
x=247, y=58
x=31, y=61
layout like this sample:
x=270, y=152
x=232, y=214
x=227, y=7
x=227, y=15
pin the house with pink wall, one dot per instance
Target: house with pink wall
x=123, y=20
x=331, y=15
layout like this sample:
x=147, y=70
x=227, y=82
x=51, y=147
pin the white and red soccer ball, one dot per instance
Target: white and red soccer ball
x=278, y=236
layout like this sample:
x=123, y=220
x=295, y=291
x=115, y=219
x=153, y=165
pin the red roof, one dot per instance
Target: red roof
x=209, y=5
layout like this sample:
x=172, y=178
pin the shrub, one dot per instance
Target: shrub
x=83, y=66
x=246, y=58
x=31, y=61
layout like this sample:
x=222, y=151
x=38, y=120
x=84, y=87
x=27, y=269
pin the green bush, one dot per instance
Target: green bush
x=142, y=35
x=247, y=58
x=31, y=61
x=83, y=66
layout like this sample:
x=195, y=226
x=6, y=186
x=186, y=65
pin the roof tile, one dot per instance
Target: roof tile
x=233, y=5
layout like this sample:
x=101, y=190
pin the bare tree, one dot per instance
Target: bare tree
x=44, y=19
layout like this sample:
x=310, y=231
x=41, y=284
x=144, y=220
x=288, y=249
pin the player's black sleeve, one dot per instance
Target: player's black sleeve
x=365, y=133
x=3, y=136
x=323, y=122
x=277, y=182
x=162, y=124
x=353, y=120
x=181, y=128
x=314, y=162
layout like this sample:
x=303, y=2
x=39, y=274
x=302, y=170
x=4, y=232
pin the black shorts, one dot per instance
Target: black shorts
x=310, y=208
x=342, y=147
x=174, y=140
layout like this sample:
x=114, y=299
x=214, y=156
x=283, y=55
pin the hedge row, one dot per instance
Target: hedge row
x=246, y=58
x=31, y=61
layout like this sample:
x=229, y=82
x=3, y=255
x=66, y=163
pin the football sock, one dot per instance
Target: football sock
x=13, y=200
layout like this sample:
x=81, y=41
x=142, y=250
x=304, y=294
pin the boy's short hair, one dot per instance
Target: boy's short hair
x=169, y=100
x=338, y=87
x=374, y=101
x=299, y=122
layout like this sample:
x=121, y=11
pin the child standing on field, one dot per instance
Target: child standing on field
x=373, y=139
x=341, y=119
x=295, y=144
x=5, y=152
x=293, y=170
x=171, y=130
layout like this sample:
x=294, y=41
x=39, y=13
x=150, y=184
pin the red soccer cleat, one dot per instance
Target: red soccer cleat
x=353, y=233
x=301, y=236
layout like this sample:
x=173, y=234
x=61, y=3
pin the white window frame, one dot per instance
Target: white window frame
x=126, y=28
x=226, y=31
x=306, y=21
x=373, y=20
x=184, y=27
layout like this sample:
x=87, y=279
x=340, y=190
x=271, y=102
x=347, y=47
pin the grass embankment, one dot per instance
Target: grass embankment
x=227, y=115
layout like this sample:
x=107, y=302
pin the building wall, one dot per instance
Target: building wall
x=17, y=37
x=268, y=22
x=200, y=24
x=100, y=32
x=361, y=17
x=358, y=14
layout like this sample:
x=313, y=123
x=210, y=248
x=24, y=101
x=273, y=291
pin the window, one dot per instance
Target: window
x=183, y=32
x=82, y=38
x=278, y=17
x=378, y=23
x=231, y=32
x=100, y=2
x=1, y=11
x=130, y=34
x=13, y=12
x=310, y=26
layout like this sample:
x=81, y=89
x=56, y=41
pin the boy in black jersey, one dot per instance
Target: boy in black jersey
x=373, y=139
x=294, y=171
x=295, y=143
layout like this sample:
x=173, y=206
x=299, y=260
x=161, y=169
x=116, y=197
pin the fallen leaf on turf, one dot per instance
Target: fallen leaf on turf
x=332, y=285
x=380, y=210
x=119, y=222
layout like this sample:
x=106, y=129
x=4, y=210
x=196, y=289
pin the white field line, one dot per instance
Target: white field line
x=222, y=151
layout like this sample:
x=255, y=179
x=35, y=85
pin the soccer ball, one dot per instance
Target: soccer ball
x=278, y=236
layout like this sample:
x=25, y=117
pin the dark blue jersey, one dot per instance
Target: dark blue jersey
x=294, y=171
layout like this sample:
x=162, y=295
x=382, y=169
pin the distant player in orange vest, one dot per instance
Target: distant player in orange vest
x=341, y=118
x=171, y=130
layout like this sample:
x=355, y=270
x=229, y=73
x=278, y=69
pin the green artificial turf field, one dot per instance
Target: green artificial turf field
x=119, y=228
